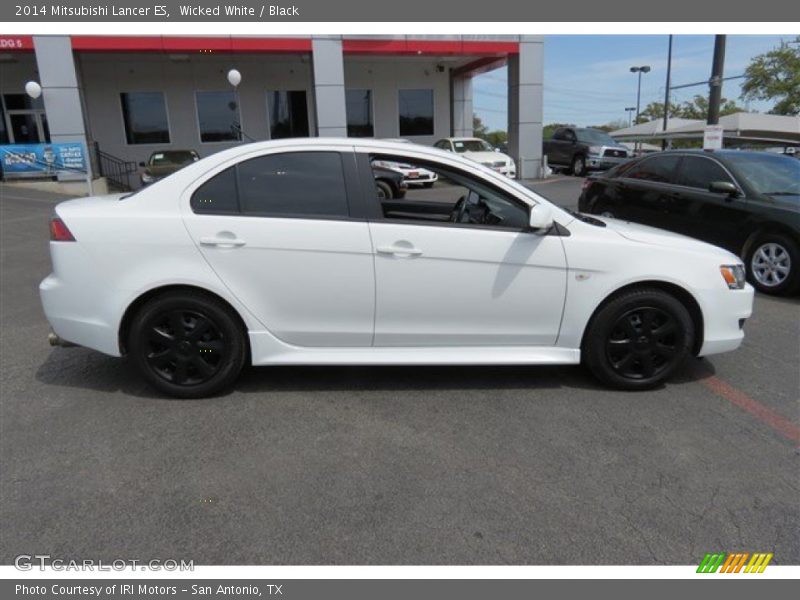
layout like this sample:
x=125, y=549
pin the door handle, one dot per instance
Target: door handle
x=222, y=241
x=403, y=251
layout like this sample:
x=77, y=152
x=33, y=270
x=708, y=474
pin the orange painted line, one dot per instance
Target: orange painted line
x=726, y=563
x=766, y=415
x=741, y=563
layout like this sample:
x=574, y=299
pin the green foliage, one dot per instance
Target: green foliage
x=696, y=108
x=776, y=76
x=480, y=130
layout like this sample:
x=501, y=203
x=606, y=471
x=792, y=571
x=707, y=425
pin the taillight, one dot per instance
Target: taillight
x=59, y=232
x=586, y=184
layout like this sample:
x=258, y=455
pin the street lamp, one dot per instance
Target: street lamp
x=629, y=110
x=639, y=70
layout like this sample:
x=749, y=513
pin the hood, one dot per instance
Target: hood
x=487, y=156
x=645, y=234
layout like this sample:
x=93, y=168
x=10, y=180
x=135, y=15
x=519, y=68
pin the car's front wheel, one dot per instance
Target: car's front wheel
x=638, y=339
x=579, y=166
x=773, y=262
x=383, y=190
x=187, y=344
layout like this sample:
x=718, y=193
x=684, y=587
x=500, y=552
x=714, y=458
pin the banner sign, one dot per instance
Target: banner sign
x=42, y=160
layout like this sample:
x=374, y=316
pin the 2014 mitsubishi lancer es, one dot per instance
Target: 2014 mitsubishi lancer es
x=284, y=253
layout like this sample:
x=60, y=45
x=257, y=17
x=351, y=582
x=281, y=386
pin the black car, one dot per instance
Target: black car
x=746, y=202
x=389, y=184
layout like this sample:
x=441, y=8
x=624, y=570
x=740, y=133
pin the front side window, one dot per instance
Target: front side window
x=698, y=172
x=144, y=115
x=359, y=113
x=218, y=117
x=293, y=184
x=426, y=192
x=416, y=112
x=288, y=114
x=659, y=169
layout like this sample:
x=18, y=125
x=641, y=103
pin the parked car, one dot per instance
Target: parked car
x=412, y=175
x=481, y=152
x=389, y=183
x=746, y=202
x=166, y=162
x=282, y=253
x=581, y=150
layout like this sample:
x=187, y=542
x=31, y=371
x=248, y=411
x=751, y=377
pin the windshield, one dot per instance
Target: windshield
x=173, y=157
x=593, y=136
x=769, y=174
x=471, y=146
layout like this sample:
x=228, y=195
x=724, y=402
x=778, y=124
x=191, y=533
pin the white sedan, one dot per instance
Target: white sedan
x=480, y=151
x=280, y=253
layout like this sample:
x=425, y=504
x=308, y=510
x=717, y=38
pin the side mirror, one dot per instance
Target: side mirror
x=141, y=163
x=540, y=219
x=723, y=187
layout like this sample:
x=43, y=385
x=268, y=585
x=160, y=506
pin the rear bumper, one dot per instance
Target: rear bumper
x=75, y=319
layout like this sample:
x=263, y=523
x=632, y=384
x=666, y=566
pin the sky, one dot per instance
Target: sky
x=587, y=78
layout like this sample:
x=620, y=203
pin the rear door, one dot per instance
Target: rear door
x=644, y=190
x=277, y=230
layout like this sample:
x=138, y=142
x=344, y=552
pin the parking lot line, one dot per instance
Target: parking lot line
x=766, y=415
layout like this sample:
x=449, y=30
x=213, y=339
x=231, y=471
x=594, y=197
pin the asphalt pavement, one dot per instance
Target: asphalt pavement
x=390, y=465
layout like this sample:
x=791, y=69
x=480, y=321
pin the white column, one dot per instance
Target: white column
x=462, y=107
x=329, y=91
x=61, y=94
x=525, y=106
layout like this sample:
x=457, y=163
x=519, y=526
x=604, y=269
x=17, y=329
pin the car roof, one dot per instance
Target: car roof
x=723, y=153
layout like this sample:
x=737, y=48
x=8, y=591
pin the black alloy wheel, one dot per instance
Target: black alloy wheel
x=637, y=339
x=187, y=344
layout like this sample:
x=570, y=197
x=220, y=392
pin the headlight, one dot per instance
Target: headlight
x=511, y=164
x=595, y=149
x=147, y=178
x=733, y=276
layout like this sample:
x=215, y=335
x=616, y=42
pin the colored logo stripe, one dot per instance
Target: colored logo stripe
x=734, y=562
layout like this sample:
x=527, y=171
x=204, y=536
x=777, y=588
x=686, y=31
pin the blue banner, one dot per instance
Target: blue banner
x=42, y=160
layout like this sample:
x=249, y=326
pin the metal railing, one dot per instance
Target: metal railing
x=119, y=173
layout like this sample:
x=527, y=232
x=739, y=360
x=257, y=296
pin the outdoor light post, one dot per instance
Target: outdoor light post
x=639, y=70
x=629, y=110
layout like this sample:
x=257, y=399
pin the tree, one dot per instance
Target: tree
x=696, y=108
x=776, y=76
x=479, y=129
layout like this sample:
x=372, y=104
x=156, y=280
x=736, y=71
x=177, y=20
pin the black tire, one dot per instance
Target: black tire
x=770, y=257
x=638, y=339
x=578, y=167
x=383, y=190
x=187, y=344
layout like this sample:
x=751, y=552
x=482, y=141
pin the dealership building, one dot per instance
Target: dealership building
x=126, y=97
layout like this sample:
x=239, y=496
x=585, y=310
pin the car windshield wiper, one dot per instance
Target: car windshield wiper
x=786, y=193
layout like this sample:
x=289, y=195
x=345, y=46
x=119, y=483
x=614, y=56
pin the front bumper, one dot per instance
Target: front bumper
x=724, y=313
x=603, y=162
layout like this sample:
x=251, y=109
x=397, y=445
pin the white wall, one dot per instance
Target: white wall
x=385, y=77
x=106, y=76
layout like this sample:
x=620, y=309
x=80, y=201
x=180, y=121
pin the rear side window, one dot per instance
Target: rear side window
x=700, y=172
x=217, y=195
x=657, y=168
x=293, y=184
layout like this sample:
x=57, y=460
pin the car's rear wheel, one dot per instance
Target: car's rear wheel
x=773, y=262
x=187, y=344
x=579, y=166
x=383, y=190
x=604, y=209
x=638, y=339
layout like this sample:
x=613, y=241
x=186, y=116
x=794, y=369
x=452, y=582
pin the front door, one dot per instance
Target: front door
x=468, y=276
